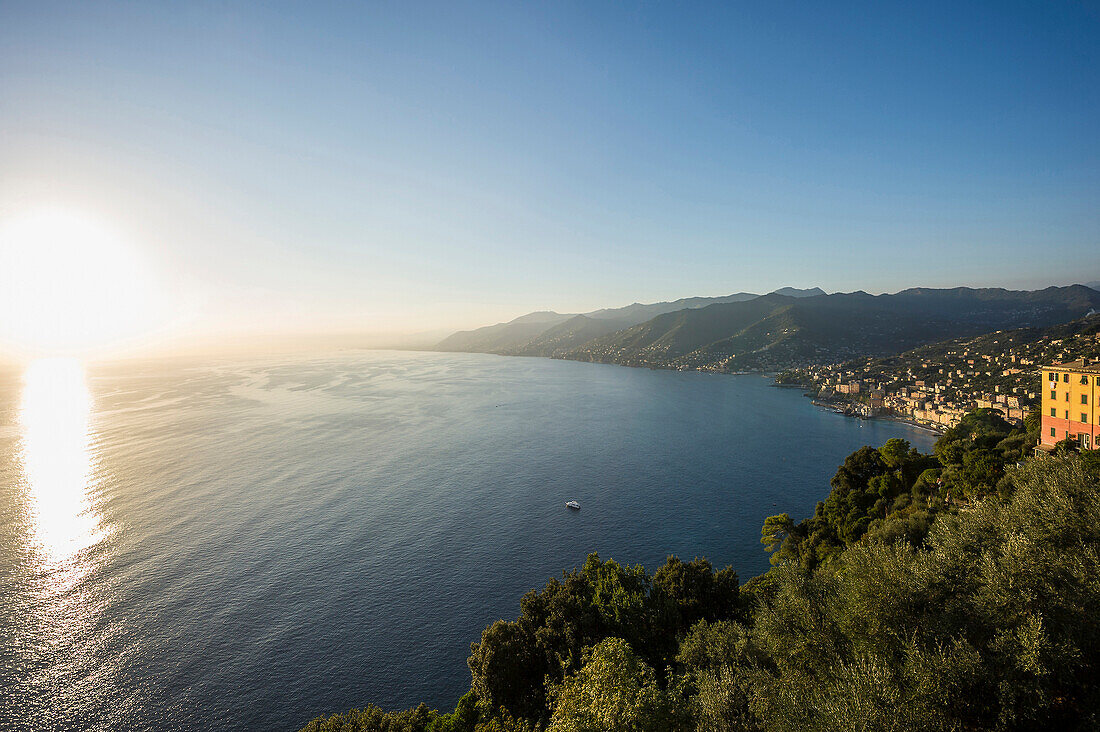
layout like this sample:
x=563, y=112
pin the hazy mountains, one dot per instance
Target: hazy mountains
x=795, y=292
x=785, y=328
x=524, y=331
x=546, y=333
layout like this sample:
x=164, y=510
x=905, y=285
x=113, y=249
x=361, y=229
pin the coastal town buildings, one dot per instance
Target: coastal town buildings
x=1069, y=408
x=937, y=385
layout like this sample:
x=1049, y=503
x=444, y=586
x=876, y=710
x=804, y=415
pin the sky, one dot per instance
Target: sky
x=417, y=166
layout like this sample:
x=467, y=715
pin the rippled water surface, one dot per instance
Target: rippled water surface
x=246, y=544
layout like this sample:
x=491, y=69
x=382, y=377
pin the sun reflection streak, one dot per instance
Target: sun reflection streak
x=54, y=418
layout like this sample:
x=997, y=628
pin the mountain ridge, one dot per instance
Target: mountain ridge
x=776, y=331
x=521, y=334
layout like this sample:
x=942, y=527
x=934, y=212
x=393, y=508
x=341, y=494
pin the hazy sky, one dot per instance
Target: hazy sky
x=408, y=165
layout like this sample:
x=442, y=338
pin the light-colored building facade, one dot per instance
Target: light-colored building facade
x=1070, y=391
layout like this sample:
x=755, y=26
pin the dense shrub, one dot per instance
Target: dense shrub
x=990, y=625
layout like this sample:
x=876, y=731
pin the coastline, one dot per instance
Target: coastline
x=838, y=407
x=883, y=417
x=843, y=408
x=912, y=423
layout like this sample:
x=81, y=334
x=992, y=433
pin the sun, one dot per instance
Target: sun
x=70, y=284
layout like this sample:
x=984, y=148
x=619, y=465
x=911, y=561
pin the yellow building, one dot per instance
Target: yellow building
x=1070, y=391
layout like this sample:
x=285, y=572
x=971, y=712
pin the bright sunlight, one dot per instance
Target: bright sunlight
x=56, y=459
x=70, y=284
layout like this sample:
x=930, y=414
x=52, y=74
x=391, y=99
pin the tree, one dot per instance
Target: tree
x=696, y=591
x=895, y=452
x=990, y=626
x=775, y=530
x=1033, y=422
x=464, y=718
x=374, y=719
x=1068, y=445
x=508, y=667
x=615, y=691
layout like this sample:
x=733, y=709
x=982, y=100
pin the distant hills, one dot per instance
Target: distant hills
x=795, y=292
x=1050, y=344
x=785, y=328
x=508, y=338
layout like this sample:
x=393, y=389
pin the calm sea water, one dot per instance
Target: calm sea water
x=247, y=544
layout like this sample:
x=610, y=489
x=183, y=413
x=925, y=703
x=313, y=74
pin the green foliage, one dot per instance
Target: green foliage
x=713, y=656
x=616, y=691
x=775, y=530
x=464, y=718
x=793, y=377
x=687, y=592
x=974, y=453
x=374, y=719
x=990, y=625
x=509, y=664
x=895, y=492
x=895, y=453
x=1066, y=446
x=885, y=493
x=721, y=702
x=515, y=661
x=710, y=646
x=1033, y=422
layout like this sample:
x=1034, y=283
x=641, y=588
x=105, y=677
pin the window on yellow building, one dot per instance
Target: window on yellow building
x=1067, y=396
x=1053, y=412
x=1053, y=395
x=1084, y=398
x=1065, y=378
x=1052, y=434
x=1084, y=379
x=1084, y=417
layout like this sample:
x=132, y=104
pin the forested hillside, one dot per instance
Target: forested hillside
x=772, y=333
x=522, y=336
x=777, y=331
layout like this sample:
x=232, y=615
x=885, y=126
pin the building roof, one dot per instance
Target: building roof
x=1082, y=364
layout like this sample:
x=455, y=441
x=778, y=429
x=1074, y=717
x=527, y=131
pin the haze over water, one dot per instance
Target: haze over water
x=247, y=544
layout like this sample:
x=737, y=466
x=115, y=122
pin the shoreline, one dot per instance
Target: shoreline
x=883, y=417
x=910, y=422
x=832, y=407
x=842, y=408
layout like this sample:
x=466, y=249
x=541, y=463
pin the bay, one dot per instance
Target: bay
x=245, y=544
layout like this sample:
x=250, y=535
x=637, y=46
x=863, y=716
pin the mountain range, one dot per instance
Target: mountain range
x=785, y=328
x=545, y=332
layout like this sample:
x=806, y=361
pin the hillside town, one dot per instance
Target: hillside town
x=936, y=385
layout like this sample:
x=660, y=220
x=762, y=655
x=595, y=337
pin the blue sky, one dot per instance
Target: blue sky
x=405, y=166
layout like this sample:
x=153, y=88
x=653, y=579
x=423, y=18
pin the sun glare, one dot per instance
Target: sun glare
x=70, y=284
x=56, y=455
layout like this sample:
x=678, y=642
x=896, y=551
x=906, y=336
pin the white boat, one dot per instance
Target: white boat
x=573, y=504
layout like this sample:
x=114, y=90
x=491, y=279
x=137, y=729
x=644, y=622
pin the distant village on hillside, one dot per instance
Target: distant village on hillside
x=936, y=385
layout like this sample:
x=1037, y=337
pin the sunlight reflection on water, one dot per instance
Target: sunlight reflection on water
x=57, y=649
x=56, y=457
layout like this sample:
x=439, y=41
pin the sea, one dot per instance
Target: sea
x=247, y=543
